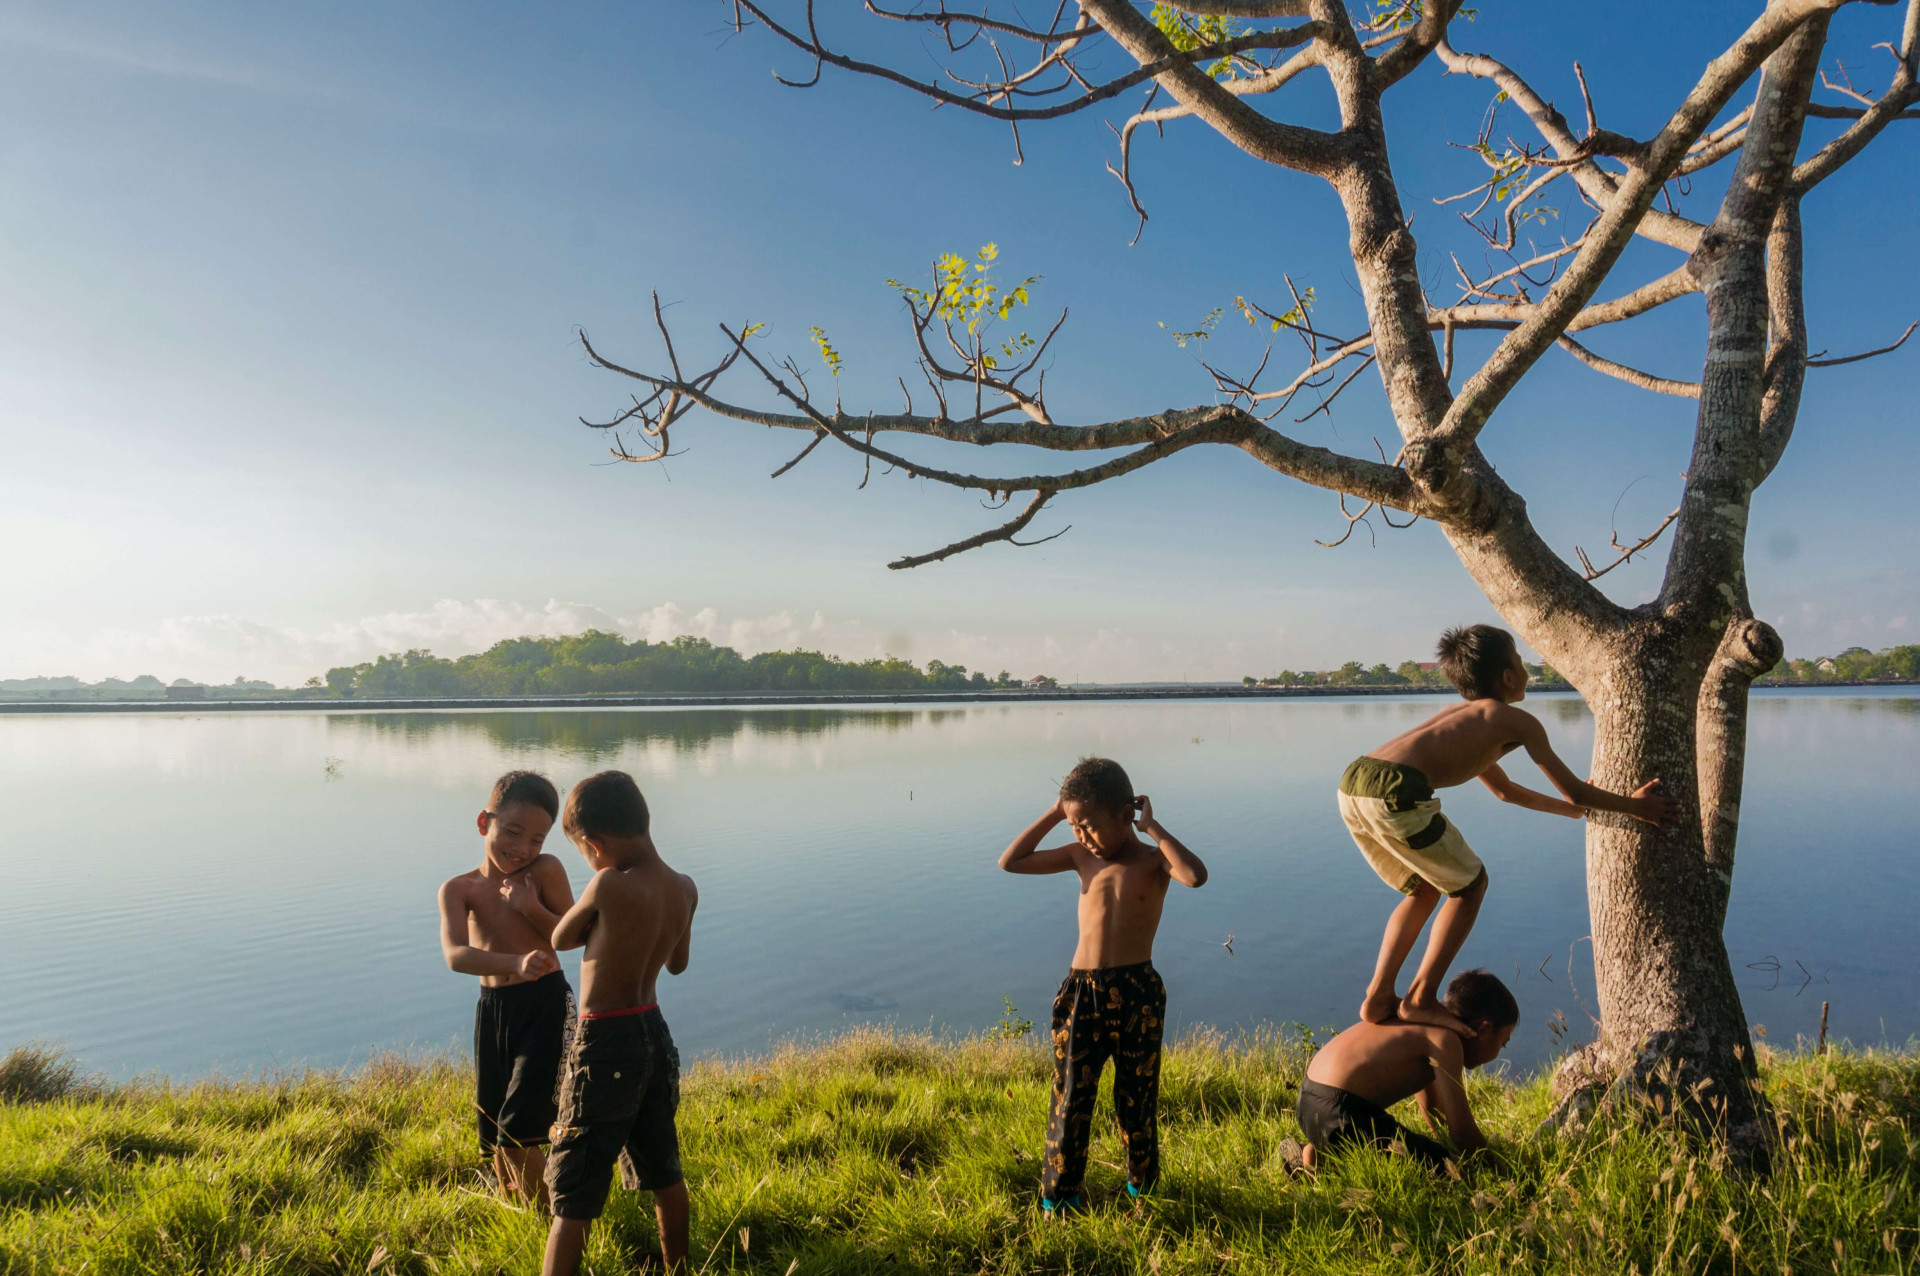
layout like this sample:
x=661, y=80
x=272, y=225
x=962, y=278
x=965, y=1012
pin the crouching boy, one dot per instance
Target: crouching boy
x=1112, y=1004
x=621, y=1085
x=1358, y=1075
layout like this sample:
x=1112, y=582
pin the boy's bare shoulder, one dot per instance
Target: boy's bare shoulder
x=1443, y=1044
x=545, y=863
x=460, y=884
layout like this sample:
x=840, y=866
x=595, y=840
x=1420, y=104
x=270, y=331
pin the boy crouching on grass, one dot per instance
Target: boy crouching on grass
x=622, y=1082
x=1358, y=1075
x=1112, y=1003
x=497, y=922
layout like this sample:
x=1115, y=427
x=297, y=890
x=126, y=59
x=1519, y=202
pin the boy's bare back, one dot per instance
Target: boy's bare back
x=642, y=920
x=1385, y=1062
x=1461, y=742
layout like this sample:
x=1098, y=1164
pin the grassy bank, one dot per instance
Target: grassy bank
x=885, y=1153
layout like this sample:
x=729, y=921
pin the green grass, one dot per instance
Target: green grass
x=888, y=1153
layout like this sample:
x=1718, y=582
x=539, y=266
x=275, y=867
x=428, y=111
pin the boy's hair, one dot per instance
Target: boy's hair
x=1098, y=781
x=529, y=787
x=1474, y=658
x=1478, y=994
x=607, y=804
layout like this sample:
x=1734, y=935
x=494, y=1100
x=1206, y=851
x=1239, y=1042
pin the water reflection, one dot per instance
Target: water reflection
x=594, y=735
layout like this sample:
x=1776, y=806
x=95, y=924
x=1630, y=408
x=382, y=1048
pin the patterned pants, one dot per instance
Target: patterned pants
x=1117, y=1013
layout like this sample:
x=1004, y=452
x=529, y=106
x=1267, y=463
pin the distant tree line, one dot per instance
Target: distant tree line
x=597, y=663
x=1408, y=673
x=1855, y=664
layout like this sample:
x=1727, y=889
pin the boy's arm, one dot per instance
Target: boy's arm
x=1446, y=1094
x=542, y=894
x=1643, y=804
x=1024, y=855
x=573, y=928
x=1184, y=866
x=463, y=958
x=683, y=951
x=1520, y=795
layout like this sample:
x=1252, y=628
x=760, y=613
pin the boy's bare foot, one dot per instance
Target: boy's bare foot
x=1380, y=1006
x=1434, y=1015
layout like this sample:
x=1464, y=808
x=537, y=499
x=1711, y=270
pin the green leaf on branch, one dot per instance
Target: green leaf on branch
x=1189, y=31
x=828, y=355
x=966, y=292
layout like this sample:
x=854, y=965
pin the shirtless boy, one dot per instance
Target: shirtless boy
x=1112, y=1004
x=1387, y=801
x=1357, y=1076
x=497, y=922
x=622, y=1081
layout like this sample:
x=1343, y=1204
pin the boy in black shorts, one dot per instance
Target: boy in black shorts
x=1357, y=1076
x=622, y=1083
x=497, y=922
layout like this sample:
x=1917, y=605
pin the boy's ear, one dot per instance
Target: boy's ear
x=485, y=818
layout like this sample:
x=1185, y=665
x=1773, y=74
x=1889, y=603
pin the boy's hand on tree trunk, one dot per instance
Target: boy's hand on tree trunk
x=1650, y=808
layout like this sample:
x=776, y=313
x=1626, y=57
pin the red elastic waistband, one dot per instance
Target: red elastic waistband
x=616, y=1014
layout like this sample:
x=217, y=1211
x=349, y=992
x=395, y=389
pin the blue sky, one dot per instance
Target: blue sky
x=289, y=376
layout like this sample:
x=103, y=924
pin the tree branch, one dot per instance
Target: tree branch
x=1290, y=146
x=1632, y=376
x=1870, y=354
x=1005, y=532
x=1609, y=235
x=1168, y=61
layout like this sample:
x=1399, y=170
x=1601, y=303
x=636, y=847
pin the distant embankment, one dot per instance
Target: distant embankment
x=1200, y=691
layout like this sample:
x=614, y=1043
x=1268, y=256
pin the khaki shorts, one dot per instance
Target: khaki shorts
x=1402, y=833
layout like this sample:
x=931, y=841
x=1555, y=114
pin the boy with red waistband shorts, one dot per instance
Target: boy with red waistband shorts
x=620, y=1088
x=1112, y=1004
x=497, y=922
x=1387, y=802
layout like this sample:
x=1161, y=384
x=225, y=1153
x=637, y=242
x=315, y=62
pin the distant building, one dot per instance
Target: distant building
x=186, y=691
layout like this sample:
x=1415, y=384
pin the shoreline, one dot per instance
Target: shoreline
x=794, y=699
x=718, y=700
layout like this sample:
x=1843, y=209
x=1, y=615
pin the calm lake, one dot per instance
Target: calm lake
x=234, y=892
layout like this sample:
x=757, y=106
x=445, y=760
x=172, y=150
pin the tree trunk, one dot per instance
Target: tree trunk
x=1672, y=1031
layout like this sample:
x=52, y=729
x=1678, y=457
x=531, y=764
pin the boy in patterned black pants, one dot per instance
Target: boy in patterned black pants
x=1112, y=1004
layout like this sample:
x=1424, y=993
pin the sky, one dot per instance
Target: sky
x=289, y=375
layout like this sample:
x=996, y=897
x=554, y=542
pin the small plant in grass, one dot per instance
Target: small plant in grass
x=1011, y=1026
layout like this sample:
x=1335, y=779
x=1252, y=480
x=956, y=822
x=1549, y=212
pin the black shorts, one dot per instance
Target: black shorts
x=618, y=1098
x=519, y=1038
x=1331, y=1117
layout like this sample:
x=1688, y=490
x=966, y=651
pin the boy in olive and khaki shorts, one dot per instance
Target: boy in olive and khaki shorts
x=1387, y=802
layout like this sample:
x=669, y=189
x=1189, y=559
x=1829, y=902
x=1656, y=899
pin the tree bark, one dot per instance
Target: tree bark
x=1672, y=1030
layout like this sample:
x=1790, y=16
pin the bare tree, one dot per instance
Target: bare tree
x=1668, y=680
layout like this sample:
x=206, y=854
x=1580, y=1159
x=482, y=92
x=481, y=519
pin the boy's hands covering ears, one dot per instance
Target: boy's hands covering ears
x=1144, y=805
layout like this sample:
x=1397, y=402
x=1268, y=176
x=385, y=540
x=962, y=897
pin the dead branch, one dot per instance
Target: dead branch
x=1626, y=551
x=1005, y=532
x=1870, y=354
